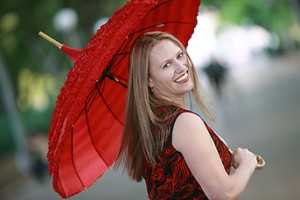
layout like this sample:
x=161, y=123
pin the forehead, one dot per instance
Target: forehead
x=164, y=50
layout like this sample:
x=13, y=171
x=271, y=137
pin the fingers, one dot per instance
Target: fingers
x=243, y=155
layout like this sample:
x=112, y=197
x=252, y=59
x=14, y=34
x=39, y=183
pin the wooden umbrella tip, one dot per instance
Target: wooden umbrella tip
x=50, y=39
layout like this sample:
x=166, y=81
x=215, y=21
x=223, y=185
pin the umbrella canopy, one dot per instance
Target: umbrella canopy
x=86, y=129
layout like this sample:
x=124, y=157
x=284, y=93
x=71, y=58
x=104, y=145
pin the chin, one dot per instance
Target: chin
x=191, y=87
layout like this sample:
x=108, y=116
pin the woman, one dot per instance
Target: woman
x=171, y=147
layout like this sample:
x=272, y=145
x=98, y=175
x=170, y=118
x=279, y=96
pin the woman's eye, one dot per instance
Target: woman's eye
x=166, y=65
x=180, y=55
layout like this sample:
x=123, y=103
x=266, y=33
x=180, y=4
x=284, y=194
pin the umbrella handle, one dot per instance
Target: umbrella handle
x=260, y=162
x=51, y=40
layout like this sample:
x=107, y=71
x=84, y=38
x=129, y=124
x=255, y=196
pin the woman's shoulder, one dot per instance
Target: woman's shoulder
x=188, y=119
x=188, y=125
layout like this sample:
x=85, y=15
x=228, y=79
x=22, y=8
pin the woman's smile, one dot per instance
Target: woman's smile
x=183, y=78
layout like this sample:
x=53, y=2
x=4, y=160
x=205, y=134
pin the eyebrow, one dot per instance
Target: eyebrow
x=180, y=51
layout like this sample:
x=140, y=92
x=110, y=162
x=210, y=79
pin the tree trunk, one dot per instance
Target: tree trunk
x=9, y=102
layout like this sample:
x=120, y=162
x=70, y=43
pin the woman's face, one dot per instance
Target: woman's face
x=169, y=74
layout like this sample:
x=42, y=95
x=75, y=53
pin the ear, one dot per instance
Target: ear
x=150, y=83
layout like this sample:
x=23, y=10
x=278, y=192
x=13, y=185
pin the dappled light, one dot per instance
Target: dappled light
x=35, y=90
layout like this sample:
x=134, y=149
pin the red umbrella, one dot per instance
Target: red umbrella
x=86, y=128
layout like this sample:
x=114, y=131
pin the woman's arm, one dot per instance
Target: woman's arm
x=191, y=138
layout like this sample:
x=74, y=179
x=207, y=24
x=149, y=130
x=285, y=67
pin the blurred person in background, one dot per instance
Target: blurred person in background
x=38, y=147
x=217, y=74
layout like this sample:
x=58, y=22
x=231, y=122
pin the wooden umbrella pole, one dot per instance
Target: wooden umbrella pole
x=51, y=40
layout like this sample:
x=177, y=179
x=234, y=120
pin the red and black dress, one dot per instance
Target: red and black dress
x=170, y=177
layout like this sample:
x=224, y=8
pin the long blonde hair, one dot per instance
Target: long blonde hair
x=138, y=142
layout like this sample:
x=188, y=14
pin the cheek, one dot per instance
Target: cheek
x=162, y=80
x=165, y=77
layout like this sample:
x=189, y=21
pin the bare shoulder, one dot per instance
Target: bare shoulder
x=188, y=126
x=187, y=119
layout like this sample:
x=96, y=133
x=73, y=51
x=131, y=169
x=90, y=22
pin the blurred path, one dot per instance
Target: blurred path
x=260, y=110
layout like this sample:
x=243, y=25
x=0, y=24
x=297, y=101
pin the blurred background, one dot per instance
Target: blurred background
x=247, y=54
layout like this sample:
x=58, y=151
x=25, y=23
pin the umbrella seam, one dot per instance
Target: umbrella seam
x=72, y=148
x=108, y=107
x=90, y=134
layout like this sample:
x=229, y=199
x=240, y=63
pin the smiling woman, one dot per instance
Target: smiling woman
x=172, y=148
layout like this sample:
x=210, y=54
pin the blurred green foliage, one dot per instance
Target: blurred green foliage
x=277, y=16
x=24, y=52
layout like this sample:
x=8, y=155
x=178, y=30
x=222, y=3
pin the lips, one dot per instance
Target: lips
x=182, y=78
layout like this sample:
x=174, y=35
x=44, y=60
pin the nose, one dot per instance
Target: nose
x=181, y=65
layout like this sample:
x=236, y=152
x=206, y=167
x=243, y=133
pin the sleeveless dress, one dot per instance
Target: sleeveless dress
x=170, y=177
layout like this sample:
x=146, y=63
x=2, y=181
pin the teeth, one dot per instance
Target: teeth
x=182, y=78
